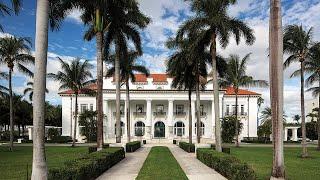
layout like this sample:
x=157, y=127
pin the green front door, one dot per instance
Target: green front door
x=159, y=130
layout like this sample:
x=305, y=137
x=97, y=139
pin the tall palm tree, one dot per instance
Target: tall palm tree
x=266, y=116
x=29, y=90
x=276, y=86
x=212, y=18
x=312, y=67
x=127, y=69
x=15, y=52
x=6, y=10
x=236, y=77
x=124, y=27
x=260, y=101
x=75, y=76
x=3, y=90
x=297, y=44
x=296, y=118
x=47, y=13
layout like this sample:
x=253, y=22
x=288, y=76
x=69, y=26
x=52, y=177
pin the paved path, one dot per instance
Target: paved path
x=129, y=167
x=194, y=169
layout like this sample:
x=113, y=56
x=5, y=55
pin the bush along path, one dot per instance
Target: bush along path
x=194, y=169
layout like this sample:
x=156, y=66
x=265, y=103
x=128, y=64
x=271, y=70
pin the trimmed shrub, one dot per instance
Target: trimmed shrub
x=227, y=165
x=174, y=141
x=190, y=148
x=224, y=149
x=89, y=166
x=52, y=133
x=60, y=139
x=133, y=146
x=92, y=149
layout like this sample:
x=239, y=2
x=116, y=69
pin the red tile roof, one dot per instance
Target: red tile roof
x=163, y=78
x=230, y=91
x=91, y=86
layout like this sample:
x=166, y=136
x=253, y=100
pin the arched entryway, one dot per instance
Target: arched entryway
x=159, y=130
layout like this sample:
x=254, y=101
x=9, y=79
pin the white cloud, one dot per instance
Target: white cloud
x=74, y=16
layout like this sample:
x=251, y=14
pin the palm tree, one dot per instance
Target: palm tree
x=3, y=90
x=212, y=18
x=122, y=29
x=29, y=90
x=296, y=118
x=297, y=44
x=276, y=86
x=74, y=76
x=127, y=69
x=260, y=101
x=5, y=10
x=266, y=116
x=15, y=52
x=236, y=77
x=312, y=67
x=47, y=13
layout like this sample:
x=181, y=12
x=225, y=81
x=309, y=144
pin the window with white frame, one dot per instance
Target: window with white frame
x=83, y=107
x=160, y=108
x=179, y=109
x=242, y=110
x=121, y=109
x=139, y=108
x=121, y=129
x=228, y=110
x=233, y=109
x=179, y=128
x=139, y=128
x=91, y=107
x=201, y=128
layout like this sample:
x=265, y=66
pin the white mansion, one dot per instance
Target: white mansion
x=158, y=111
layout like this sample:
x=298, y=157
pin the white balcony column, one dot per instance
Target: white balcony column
x=193, y=111
x=106, y=120
x=170, y=118
x=285, y=134
x=149, y=117
x=124, y=134
x=294, y=134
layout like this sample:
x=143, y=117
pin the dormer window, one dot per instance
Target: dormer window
x=159, y=88
x=139, y=88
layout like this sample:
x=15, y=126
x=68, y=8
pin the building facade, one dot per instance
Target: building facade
x=159, y=112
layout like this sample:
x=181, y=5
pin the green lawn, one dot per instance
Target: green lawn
x=260, y=158
x=161, y=165
x=14, y=165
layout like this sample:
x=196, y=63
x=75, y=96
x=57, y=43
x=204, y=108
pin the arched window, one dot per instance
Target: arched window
x=122, y=128
x=179, y=128
x=139, y=128
x=201, y=128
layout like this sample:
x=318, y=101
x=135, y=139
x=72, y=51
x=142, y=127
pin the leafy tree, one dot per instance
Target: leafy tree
x=15, y=52
x=53, y=115
x=215, y=23
x=75, y=76
x=297, y=44
x=88, y=120
x=266, y=116
x=29, y=90
x=311, y=128
x=127, y=70
x=264, y=131
x=236, y=77
x=228, y=126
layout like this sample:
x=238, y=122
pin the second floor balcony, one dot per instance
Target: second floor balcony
x=139, y=113
x=160, y=113
x=234, y=113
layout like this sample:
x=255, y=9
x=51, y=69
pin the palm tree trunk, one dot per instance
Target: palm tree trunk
x=75, y=121
x=276, y=86
x=237, y=123
x=213, y=51
x=39, y=166
x=128, y=109
x=318, y=120
x=117, y=78
x=99, y=97
x=190, y=118
x=198, y=106
x=11, y=109
x=303, y=116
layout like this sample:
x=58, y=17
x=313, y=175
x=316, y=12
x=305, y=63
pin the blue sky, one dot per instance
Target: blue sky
x=166, y=17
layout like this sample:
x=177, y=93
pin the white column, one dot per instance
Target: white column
x=106, y=120
x=193, y=111
x=124, y=134
x=149, y=117
x=170, y=118
x=285, y=134
x=295, y=134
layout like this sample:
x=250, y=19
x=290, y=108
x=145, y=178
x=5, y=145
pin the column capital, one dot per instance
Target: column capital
x=148, y=100
x=170, y=100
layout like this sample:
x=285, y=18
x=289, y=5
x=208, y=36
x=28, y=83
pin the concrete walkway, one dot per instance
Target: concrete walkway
x=194, y=169
x=129, y=167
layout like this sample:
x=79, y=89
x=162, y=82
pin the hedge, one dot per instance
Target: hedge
x=60, y=139
x=187, y=147
x=92, y=149
x=133, y=146
x=89, y=166
x=224, y=149
x=227, y=165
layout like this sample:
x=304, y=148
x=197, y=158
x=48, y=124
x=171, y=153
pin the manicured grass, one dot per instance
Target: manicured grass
x=161, y=165
x=260, y=158
x=14, y=165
